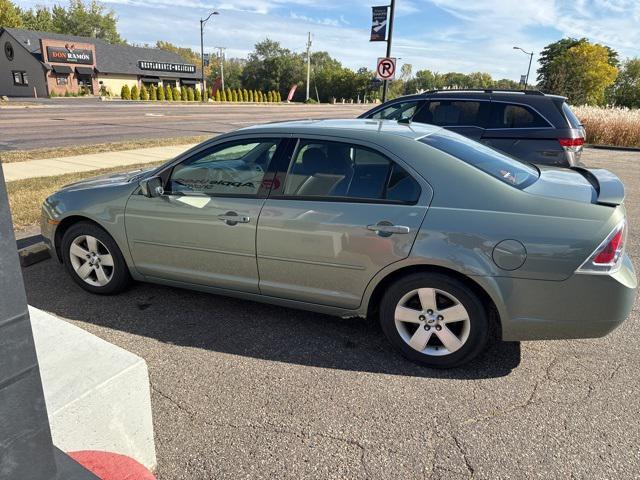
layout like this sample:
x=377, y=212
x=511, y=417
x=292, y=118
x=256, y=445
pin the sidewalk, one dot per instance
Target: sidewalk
x=85, y=163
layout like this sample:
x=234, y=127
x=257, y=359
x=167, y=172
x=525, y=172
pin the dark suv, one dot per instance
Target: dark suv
x=528, y=125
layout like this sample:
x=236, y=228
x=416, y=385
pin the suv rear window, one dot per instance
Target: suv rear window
x=509, y=115
x=573, y=120
x=504, y=168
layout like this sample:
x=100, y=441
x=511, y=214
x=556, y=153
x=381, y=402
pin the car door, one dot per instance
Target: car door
x=337, y=214
x=522, y=132
x=464, y=116
x=202, y=230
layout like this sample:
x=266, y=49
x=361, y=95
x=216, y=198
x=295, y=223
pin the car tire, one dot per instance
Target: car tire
x=94, y=260
x=450, y=330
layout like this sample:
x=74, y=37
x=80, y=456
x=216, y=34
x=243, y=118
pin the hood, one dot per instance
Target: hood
x=107, y=180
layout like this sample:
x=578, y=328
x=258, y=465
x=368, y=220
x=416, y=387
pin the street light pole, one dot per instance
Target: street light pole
x=204, y=86
x=386, y=82
x=526, y=80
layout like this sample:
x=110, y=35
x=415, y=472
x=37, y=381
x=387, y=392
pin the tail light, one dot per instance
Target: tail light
x=574, y=144
x=608, y=256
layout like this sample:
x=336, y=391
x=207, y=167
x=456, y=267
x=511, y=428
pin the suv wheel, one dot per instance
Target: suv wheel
x=94, y=260
x=434, y=320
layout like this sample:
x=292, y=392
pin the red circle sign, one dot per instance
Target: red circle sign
x=386, y=68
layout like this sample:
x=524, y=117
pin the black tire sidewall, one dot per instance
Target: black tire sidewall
x=478, y=317
x=121, y=277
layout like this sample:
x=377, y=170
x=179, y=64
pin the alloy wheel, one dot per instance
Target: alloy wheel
x=91, y=260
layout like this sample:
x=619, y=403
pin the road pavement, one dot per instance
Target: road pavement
x=81, y=122
x=245, y=390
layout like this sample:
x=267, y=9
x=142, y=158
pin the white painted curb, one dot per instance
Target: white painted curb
x=97, y=394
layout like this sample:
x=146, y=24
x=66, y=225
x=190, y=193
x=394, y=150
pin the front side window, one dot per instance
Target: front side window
x=490, y=161
x=20, y=78
x=450, y=113
x=343, y=171
x=62, y=79
x=397, y=111
x=506, y=115
x=235, y=168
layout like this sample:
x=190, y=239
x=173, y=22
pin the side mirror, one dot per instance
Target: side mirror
x=152, y=187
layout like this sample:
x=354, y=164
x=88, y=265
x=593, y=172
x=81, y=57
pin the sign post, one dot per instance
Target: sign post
x=378, y=34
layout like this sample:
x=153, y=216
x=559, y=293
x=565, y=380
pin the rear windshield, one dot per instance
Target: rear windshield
x=498, y=165
x=573, y=120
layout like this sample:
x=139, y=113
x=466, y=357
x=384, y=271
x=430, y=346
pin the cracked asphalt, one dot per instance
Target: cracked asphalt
x=244, y=390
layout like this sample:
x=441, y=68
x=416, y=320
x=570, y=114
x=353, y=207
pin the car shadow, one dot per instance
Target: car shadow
x=199, y=320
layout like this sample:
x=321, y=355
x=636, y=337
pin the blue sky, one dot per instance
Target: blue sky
x=440, y=35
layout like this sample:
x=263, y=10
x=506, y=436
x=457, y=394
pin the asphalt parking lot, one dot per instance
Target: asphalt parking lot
x=244, y=390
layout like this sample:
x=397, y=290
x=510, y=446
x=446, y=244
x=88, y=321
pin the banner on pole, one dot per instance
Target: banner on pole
x=379, y=24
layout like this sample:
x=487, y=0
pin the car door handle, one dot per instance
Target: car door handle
x=232, y=218
x=386, y=229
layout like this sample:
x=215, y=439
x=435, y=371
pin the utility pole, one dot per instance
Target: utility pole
x=204, y=85
x=526, y=80
x=391, y=14
x=308, y=63
x=221, y=57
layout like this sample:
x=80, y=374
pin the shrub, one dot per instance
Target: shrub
x=104, y=91
x=176, y=94
x=135, y=93
x=251, y=95
x=144, y=93
x=161, y=96
x=218, y=95
x=153, y=93
x=184, y=93
x=229, y=96
x=190, y=95
x=168, y=93
x=196, y=95
x=279, y=98
x=270, y=97
x=53, y=94
x=235, y=96
x=125, y=93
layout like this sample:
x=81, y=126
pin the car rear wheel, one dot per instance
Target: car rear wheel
x=94, y=260
x=434, y=320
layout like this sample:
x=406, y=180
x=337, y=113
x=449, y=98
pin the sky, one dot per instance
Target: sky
x=439, y=35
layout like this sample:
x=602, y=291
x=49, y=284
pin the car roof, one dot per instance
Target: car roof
x=355, y=126
x=533, y=95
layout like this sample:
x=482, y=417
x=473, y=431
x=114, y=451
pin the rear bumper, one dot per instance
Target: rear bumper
x=583, y=306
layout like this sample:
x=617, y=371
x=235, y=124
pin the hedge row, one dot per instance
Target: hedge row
x=190, y=94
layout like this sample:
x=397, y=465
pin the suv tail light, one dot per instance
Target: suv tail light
x=608, y=256
x=572, y=143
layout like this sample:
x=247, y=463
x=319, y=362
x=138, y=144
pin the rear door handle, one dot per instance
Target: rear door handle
x=385, y=229
x=232, y=218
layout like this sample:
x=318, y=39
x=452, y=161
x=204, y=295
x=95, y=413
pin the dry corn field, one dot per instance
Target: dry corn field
x=610, y=125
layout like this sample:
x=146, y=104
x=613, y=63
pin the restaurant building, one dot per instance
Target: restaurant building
x=43, y=64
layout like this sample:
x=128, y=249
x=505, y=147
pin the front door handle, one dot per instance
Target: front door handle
x=385, y=229
x=232, y=218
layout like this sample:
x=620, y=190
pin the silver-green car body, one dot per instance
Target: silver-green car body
x=520, y=248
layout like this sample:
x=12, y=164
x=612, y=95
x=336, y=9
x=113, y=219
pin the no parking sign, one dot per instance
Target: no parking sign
x=386, y=68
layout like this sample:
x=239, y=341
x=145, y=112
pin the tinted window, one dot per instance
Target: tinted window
x=333, y=169
x=573, y=120
x=397, y=111
x=233, y=168
x=490, y=161
x=507, y=115
x=449, y=113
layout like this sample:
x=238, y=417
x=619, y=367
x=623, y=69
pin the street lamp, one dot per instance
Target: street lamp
x=526, y=81
x=202, y=22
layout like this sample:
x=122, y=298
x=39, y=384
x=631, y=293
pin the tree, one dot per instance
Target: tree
x=196, y=95
x=184, y=94
x=161, y=96
x=251, y=96
x=39, y=19
x=153, y=93
x=272, y=67
x=626, y=91
x=583, y=73
x=144, y=93
x=125, y=92
x=9, y=15
x=87, y=20
x=168, y=93
x=229, y=95
x=218, y=99
x=551, y=77
x=190, y=95
x=175, y=93
x=135, y=93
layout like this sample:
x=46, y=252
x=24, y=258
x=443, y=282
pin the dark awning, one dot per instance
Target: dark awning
x=188, y=81
x=61, y=69
x=46, y=66
x=150, y=79
x=84, y=70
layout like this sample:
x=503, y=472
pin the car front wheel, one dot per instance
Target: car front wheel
x=94, y=260
x=434, y=320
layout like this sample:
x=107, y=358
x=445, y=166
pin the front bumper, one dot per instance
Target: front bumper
x=583, y=306
x=48, y=230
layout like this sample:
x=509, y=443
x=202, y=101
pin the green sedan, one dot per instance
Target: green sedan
x=441, y=238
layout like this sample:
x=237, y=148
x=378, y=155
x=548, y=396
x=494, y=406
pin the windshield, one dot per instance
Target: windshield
x=498, y=165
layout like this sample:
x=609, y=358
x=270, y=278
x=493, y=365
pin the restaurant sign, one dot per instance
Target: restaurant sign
x=70, y=54
x=166, y=67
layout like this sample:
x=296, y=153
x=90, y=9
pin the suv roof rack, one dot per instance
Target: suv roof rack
x=486, y=90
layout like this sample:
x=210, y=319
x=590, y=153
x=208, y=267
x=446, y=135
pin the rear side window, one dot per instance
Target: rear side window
x=571, y=117
x=508, y=115
x=397, y=111
x=323, y=170
x=450, y=113
x=496, y=164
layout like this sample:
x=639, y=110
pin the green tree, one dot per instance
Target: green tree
x=168, y=93
x=135, y=93
x=197, y=96
x=189, y=55
x=10, y=15
x=278, y=97
x=626, y=90
x=89, y=19
x=39, y=19
x=184, y=94
x=125, y=92
x=161, y=95
x=270, y=96
x=144, y=93
x=583, y=73
x=153, y=93
x=175, y=93
x=251, y=96
x=218, y=99
x=229, y=95
x=272, y=67
x=190, y=95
